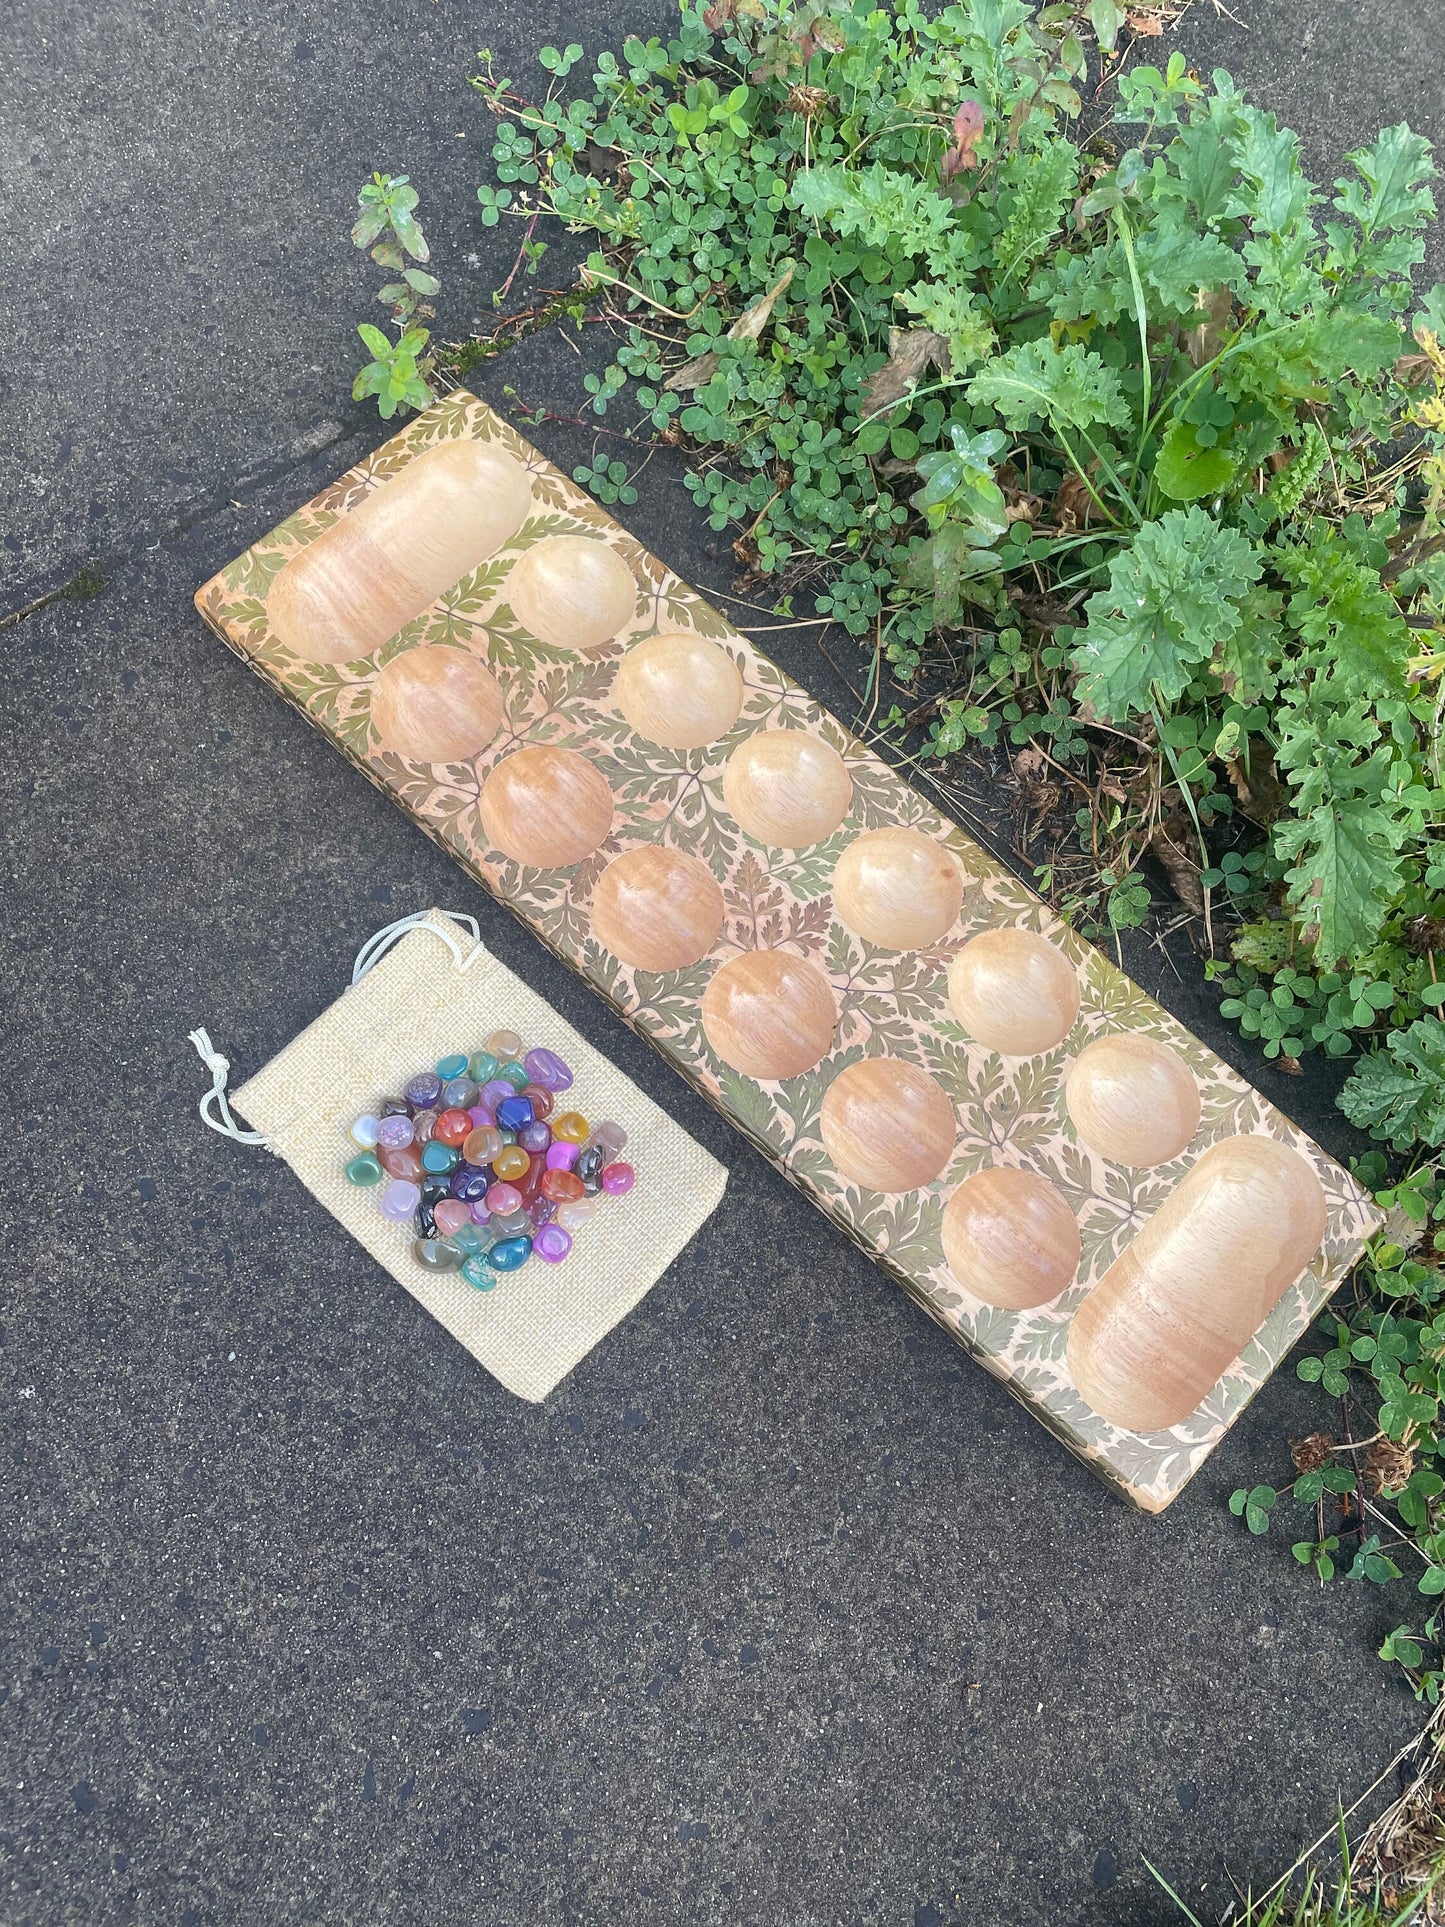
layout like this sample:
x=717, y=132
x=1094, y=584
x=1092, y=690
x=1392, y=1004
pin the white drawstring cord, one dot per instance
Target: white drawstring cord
x=376, y=947
x=220, y=1069
x=369, y=955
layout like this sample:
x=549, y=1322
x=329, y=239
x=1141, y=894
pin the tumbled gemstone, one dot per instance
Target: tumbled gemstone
x=509, y=1254
x=589, y=1167
x=470, y=1239
x=482, y=1067
x=512, y=1224
x=536, y=1138
x=424, y=1090
x=404, y=1163
x=511, y=1162
x=399, y=1200
x=552, y=1243
x=541, y=1210
x=561, y=1157
x=508, y=1137
x=617, y=1179
x=424, y=1124
x=365, y=1169
x=575, y=1213
x=495, y=1089
x=482, y=1115
x=546, y=1068
x=395, y=1131
x=503, y=1044
x=451, y=1215
x=460, y=1093
x=529, y=1184
x=436, y=1254
x=453, y=1066
x=452, y=1127
x=482, y=1145
x=572, y=1126
x=562, y=1185
x=502, y=1198
x=434, y=1189
x=393, y=1107
x=470, y=1183
x=479, y=1211
x=479, y=1273
x=364, y=1130
x=611, y=1133
x=513, y=1074
x=514, y=1113
x=424, y=1220
x=440, y=1157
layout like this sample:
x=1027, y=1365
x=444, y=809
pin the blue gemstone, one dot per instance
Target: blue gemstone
x=515, y=1113
x=449, y=1067
x=440, y=1157
x=471, y=1183
x=510, y=1254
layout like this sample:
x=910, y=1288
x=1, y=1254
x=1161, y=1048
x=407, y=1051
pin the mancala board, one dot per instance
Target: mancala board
x=1115, y=1223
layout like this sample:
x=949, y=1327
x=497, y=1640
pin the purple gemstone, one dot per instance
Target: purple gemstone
x=469, y=1182
x=563, y=1156
x=399, y=1201
x=542, y=1210
x=480, y=1213
x=535, y=1138
x=424, y=1090
x=552, y=1243
x=395, y=1133
x=546, y=1068
x=485, y=1118
x=497, y=1092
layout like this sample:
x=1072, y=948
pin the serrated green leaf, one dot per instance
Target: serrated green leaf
x=1172, y=599
x=1392, y=191
x=1398, y=1094
x=1346, y=872
x=1034, y=381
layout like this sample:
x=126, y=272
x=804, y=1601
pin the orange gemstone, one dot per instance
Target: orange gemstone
x=571, y=1127
x=454, y=1128
x=562, y=1186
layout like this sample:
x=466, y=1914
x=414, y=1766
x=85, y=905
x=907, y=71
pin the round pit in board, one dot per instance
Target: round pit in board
x=383, y=562
x=679, y=690
x=436, y=704
x=769, y=1014
x=897, y=889
x=657, y=909
x=787, y=788
x=1132, y=1099
x=546, y=808
x=1014, y=991
x=1011, y=1239
x=572, y=591
x=887, y=1125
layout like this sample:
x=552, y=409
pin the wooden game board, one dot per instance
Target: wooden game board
x=1085, y=1197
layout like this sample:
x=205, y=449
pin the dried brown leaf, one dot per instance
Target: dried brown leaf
x=1257, y=787
x=748, y=326
x=1179, y=859
x=910, y=352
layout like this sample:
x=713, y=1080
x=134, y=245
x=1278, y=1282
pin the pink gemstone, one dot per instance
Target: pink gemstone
x=451, y=1214
x=562, y=1155
x=552, y=1244
x=618, y=1178
x=503, y=1198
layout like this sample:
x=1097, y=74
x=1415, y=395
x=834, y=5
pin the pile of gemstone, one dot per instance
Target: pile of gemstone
x=475, y=1155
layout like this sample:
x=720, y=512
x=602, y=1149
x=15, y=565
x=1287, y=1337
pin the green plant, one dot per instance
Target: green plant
x=1118, y=442
x=397, y=374
x=1347, y=1899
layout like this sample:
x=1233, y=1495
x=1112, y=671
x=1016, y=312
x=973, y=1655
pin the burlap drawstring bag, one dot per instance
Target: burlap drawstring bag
x=437, y=990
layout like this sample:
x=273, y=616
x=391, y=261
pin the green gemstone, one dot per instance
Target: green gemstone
x=439, y=1157
x=483, y=1067
x=450, y=1067
x=515, y=1074
x=471, y=1239
x=478, y=1272
x=364, y=1170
